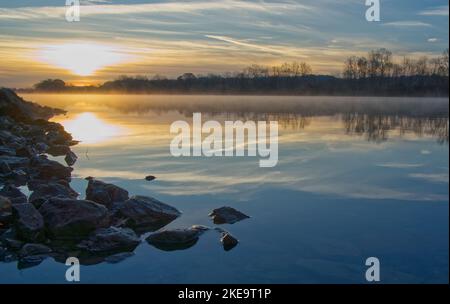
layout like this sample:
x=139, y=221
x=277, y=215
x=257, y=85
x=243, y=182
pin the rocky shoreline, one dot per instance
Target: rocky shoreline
x=52, y=221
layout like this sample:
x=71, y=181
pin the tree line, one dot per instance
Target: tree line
x=374, y=75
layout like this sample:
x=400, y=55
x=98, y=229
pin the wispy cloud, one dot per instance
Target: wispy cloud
x=436, y=11
x=407, y=24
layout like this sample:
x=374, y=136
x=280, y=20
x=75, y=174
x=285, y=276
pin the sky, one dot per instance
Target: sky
x=137, y=37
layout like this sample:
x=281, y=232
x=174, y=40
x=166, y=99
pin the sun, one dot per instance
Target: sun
x=82, y=59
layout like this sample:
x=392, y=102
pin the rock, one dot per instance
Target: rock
x=15, y=162
x=177, y=239
x=73, y=219
x=117, y=258
x=105, y=194
x=228, y=241
x=4, y=168
x=146, y=213
x=58, y=150
x=28, y=222
x=9, y=239
x=71, y=158
x=5, y=205
x=111, y=239
x=227, y=215
x=48, y=169
x=31, y=261
x=33, y=249
x=150, y=178
x=25, y=151
x=17, y=177
x=41, y=147
x=43, y=192
x=20, y=110
x=14, y=194
x=5, y=151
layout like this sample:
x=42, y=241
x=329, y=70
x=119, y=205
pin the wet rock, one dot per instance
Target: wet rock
x=117, y=258
x=177, y=239
x=105, y=194
x=9, y=239
x=58, y=150
x=5, y=151
x=20, y=110
x=4, y=168
x=28, y=222
x=111, y=239
x=14, y=162
x=43, y=192
x=227, y=215
x=33, y=249
x=73, y=219
x=31, y=261
x=228, y=241
x=146, y=213
x=13, y=194
x=5, y=212
x=71, y=158
x=48, y=169
x=150, y=178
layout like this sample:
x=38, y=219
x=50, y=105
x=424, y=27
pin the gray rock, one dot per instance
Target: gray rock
x=15, y=162
x=105, y=194
x=33, y=249
x=43, y=192
x=6, y=151
x=4, y=168
x=31, y=261
x=58, y=150
x=228, y=241
x=28, y=222
x=176, y=239
x=111, y=239
x=73, y=219
x=14, y=194
x=46, y=169
x=9, y=239
x=227, y=215
x=71, y=158
x=146, y=213
x=5, y=212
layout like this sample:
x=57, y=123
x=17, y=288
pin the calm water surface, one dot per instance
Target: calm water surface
x=356, y=178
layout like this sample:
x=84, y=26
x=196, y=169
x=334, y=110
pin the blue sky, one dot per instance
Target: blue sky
x=172, y=37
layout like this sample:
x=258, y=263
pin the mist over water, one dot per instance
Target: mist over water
x=356, y=177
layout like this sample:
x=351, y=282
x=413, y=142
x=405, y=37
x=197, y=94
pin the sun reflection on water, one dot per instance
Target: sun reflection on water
x=89, y=129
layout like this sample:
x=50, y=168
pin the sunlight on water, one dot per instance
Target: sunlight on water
x=89, y=129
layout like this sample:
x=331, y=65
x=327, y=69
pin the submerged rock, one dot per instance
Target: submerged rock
x=111, y=239
x=227, y=215
x=146, y=213
x=33, y=249
x=177, y=239
x=117, y=258
x=28, y=222
x=228, y=241
x=105, y=194
x=150, y=178
x=73, y=219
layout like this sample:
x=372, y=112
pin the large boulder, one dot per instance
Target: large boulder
x=227, y=215
x=13, y=194
x=46, y=169
x=73, y=219
x=145, y=213
x=105, y=194
x=176, y=239
x=28, y=222
x=112, y=239
x=43, y=192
